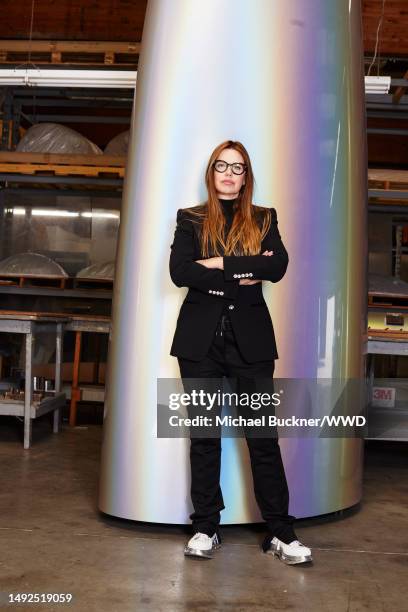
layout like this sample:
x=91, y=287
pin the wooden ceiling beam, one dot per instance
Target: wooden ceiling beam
x=68, y=46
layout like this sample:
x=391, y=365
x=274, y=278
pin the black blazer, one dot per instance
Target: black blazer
x=209, y=291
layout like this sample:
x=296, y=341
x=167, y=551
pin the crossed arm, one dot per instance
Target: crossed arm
x=222, y=275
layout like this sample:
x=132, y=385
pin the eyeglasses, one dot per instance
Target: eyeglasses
x=221, y=166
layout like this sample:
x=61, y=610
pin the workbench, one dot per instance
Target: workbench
x=30, y=324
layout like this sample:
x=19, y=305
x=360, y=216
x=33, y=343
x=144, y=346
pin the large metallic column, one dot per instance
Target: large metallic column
x=286, y=79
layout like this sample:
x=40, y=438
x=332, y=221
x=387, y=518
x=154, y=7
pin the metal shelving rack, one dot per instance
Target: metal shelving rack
x=388, y=304
x=94, y=176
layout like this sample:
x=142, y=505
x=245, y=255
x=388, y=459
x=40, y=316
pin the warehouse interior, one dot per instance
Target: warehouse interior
x=63, y=154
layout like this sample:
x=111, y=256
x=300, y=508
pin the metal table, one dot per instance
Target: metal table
x=30, y=324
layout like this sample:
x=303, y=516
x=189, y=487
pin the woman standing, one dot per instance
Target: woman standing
x=222, y=251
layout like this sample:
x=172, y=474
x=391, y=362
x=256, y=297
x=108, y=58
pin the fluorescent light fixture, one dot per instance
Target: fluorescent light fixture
x=377, y=84
x=115, y=79
x=38, y=212
x=100, y=215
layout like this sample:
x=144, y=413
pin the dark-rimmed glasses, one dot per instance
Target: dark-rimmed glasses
x=221, y=166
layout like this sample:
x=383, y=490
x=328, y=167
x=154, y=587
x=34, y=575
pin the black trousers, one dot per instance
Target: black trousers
x=270, y=485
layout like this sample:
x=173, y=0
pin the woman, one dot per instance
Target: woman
x=222, y=251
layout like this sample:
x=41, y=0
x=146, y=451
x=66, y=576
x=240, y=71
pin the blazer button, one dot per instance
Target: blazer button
x=231, y=306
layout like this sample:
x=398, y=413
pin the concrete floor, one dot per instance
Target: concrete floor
x=54, y=540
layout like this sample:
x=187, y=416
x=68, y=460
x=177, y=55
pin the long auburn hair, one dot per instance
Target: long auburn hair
x=250, y=223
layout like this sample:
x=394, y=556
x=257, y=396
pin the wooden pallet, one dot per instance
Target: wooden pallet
x=39, y=164
x=63, y=282
x=387, y=301
x=32, y=280
x=387, y=181
x=386, y=334
x=71, y=52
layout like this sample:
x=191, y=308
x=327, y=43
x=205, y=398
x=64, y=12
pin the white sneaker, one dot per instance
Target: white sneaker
x=201, y=545
x=292, y=553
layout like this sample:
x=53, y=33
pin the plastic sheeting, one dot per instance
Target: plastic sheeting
x=118, y=145
x=101, y=270
x=31, y=264
x=55, y=138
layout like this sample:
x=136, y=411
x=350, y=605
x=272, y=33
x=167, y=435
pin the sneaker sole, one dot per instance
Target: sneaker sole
x=199, y=553
x=288, y=559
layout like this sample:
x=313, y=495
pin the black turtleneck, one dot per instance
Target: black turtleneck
x=228, y=209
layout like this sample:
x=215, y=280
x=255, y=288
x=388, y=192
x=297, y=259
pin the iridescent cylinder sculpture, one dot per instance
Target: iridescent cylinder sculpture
x=286, y=79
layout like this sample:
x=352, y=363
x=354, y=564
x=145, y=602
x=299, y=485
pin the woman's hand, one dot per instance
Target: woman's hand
x=249, y=281
x=253, y=281
x=217, y=263
x=214, y=263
